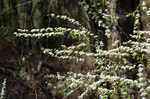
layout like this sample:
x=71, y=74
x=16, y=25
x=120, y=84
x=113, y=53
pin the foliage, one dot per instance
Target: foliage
x=118, y=73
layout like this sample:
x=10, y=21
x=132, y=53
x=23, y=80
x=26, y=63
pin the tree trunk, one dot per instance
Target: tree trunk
x=123, y=24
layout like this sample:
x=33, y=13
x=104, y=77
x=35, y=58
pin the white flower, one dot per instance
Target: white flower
x=148, y=12
x=143, y=3
x=144, y=8
x=52, y=15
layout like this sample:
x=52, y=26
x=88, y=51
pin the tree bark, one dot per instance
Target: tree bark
x=123, y=26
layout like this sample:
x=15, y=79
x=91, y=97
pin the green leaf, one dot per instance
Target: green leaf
x=134, y=54
x=101, y=69
x=116, y=97
x=113, y=17
x=149, y=65
x=142, y=56
x=119, y=62
x=63, y=92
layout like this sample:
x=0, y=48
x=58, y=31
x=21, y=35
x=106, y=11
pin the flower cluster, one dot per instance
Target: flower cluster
x=118, y=73
x=3, y=89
